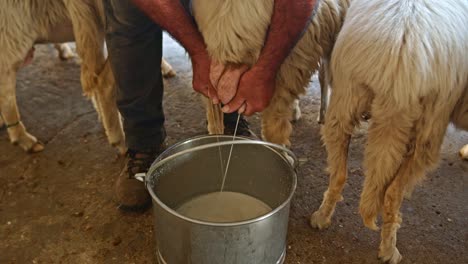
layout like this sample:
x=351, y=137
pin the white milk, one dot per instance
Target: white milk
x=223, y=207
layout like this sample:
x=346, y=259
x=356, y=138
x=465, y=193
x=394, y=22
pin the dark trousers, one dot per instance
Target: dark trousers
x=134, y=43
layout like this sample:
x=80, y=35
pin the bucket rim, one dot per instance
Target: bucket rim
x=280, y=207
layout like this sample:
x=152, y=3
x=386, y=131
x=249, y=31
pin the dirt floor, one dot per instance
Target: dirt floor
x=57, y=206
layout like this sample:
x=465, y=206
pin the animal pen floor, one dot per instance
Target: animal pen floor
x=57, y=206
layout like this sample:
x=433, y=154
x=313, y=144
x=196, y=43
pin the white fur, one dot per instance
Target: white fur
x=235, y=30
x=405, y=62
x=24, y=23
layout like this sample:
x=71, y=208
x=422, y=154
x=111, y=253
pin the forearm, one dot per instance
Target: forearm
x=171, y=16
x=288, y=22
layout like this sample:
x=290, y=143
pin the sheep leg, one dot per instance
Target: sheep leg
x=11, y=117
x=460, y=119
x=324, y=91
x=336, y=134
x=96, y=76
x=421, y=155
x=388, y=139
x=104, y=102
x=214, y=117
x=64, y=51
x=276, y=124
x=89, y=36
x=391, y=217
x=297, y=114
x=166, y=69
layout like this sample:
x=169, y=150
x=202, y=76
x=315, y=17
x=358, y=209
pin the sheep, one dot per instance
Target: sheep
x=25, y=23
x=234, y=32
x=28, y=22
x=405, y=62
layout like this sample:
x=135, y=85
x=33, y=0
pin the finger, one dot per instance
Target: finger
x=207, y=91
x=242, y=109
x=235, y=104
x=248, y=110
x=216, y=71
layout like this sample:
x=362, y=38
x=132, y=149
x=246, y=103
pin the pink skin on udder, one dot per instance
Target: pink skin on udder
x=226, y=79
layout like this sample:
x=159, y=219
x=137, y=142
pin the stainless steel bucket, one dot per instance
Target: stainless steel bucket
x=195, y=167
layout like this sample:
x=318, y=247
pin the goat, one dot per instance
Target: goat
x=234, y=32
x=405, y=62
x=25, y=23
x=28, y=22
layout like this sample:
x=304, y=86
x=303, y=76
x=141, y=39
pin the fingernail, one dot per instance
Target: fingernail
x=242, y=109
x=225, y=109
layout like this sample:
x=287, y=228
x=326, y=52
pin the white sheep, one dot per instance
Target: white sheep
x=28, y=22
x=405, y=62
x=234, y=32
x=25, y=23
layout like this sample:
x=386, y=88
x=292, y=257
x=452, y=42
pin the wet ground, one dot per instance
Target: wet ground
x=57, y=206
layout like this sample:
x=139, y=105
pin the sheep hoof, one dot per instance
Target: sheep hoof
x=390, y=255
x=290, y=159
x=120, y=146
x=169, y=74
x=464, y=152
x=66, y=55
x=321, y=119
x=297, y=114
x=28, y=143
x=317, y=220
x=36, y=147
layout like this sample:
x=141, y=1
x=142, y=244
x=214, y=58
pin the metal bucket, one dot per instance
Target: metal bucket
x=195, y=167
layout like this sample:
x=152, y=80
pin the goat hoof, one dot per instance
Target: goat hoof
x=297, y=114
x=320, y=120
x=169, y=74
x=36, y=147
x=391, y=256
x=121, y=148
x=464, y=152
x=66, y=56
x=317, y=220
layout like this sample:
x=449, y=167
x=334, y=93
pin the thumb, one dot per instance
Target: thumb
x=235, y=104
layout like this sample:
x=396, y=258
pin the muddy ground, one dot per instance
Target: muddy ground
x=57, y=206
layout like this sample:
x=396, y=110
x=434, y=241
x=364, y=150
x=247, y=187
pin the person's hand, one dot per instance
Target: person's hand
x=256, y=88
x=201, y=76
x=226, y=79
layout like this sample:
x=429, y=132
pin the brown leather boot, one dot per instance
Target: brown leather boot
x=131, y=194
